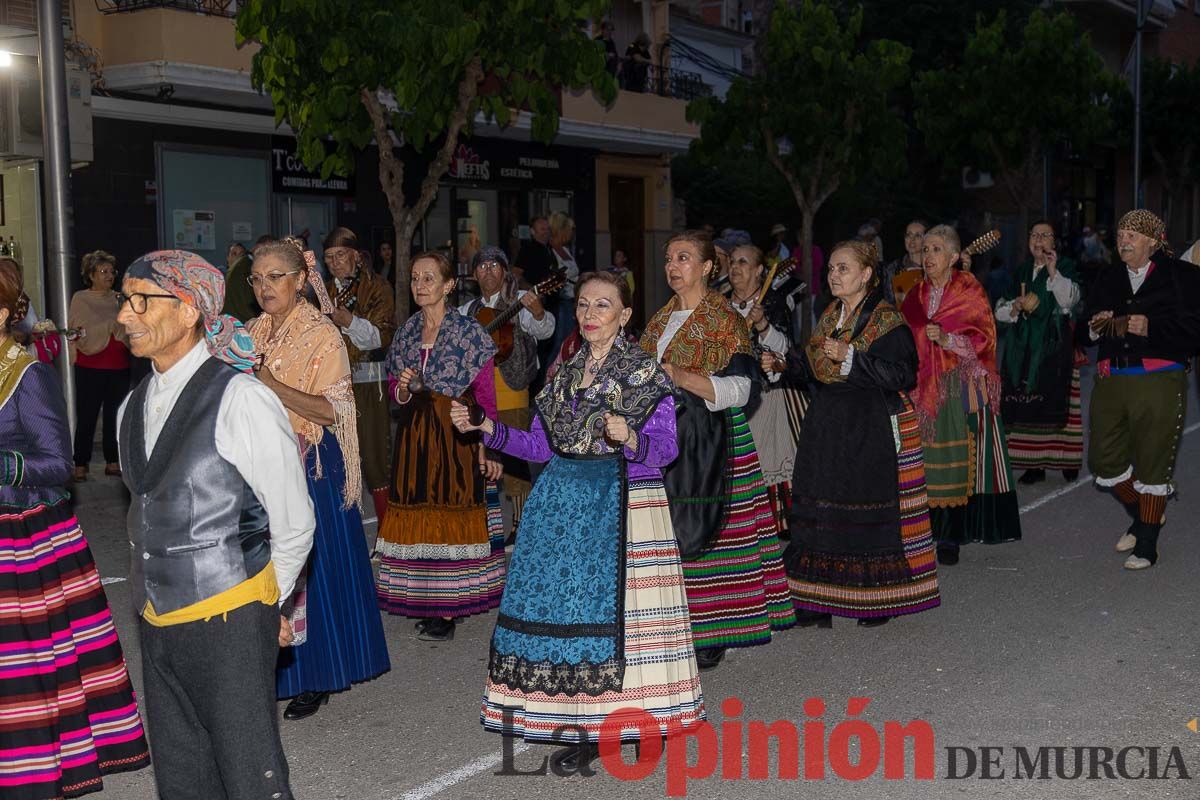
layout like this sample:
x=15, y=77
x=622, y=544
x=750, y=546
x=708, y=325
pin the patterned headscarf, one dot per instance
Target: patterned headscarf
x=1148, y=224
x=198, y=283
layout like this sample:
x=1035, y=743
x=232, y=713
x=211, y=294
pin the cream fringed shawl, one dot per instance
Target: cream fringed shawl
x=307, y=353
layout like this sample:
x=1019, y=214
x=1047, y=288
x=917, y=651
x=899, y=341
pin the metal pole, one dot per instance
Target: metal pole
x=1142, y=13
x=56, y=146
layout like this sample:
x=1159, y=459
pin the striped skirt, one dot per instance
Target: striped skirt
x=913, y=587
x=450, y=580
x=68, y=710
x=660, y=676
x=1050, y=447
x=737, y=590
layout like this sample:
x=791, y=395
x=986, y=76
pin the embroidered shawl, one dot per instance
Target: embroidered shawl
x=882, y=319
x=461, y=349
x=630, y=384
x=706, y=343
x=14, y=361
x=307, y=354
x=965, y=311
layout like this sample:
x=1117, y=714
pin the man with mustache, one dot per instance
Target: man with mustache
x=1145, y=315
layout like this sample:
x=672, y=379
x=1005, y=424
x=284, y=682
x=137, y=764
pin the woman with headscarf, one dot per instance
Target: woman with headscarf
x=72, y=717
x=776, y=422
x=590, y=622
x=442, y=541
x=1041, y=392
x=968, y=477
x=861, y=545
x=736, y=587
x=101, y=358
x=304, y=361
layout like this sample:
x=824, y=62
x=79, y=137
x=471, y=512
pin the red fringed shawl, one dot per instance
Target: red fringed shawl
x=965, y=311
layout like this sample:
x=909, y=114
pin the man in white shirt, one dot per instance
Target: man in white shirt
x=498, y=291
x=220, y=526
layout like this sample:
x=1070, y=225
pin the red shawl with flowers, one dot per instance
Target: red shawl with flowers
x=965, y=311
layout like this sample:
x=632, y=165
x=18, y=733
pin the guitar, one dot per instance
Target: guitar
x=497, y=323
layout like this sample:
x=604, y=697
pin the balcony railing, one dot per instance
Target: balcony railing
x=213, y=8
x=639, y=76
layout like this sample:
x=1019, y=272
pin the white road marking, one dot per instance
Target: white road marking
x=465, y=772
x=106, y=581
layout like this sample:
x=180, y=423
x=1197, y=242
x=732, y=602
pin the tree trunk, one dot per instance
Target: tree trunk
x=807, y=214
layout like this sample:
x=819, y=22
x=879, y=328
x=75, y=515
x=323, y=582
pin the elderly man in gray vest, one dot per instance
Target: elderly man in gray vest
x=221, y=525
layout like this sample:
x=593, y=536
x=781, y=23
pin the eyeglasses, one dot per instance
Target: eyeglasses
x=110, y=272
x=138, y=300
x=339, y=254
x=494, y=266
x=271, y=278
x=1041, y=236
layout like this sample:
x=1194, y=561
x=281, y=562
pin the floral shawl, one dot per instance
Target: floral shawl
x=882, y=319
x=629, y=384
x=964, y=312
x=461, y=349
x=707, y=342
x=307, y=353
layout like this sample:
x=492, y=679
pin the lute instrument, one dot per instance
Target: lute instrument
x=498, y=324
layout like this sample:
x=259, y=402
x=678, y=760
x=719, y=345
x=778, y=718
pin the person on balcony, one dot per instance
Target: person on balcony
x=636, y=69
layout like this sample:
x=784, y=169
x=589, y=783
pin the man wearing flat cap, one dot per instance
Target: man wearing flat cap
x=1145, y=315
x=220, y=526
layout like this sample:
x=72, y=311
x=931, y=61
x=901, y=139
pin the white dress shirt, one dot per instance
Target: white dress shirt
x=539, y=329
x=363, y=334
x=253, y=434
x=1065, y=291
x=730, y=391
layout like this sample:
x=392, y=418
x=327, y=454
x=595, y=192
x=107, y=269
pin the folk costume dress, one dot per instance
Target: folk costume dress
x=861, y=544
x=595, y=615
x=442, y=540
x=732, y=561
x=967, y=472
x=339, y=632
x=69, y=709
x=775, y=424
x=1040, y=400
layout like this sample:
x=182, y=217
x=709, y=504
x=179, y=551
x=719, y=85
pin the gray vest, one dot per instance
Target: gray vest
x=195, y=526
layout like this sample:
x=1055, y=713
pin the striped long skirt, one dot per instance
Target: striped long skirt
x=776, y=429
x=737, y=589
x=660, y=677
x=1050, y=447
x=69, y=714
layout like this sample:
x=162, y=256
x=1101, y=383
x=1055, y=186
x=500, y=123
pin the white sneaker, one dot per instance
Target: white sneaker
x=1126, y=543
x=1136, y=562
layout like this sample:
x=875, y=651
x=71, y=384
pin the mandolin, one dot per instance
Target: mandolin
x=498, y=324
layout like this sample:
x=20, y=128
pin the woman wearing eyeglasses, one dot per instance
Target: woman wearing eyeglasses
x=339, y=635
x=101, y=358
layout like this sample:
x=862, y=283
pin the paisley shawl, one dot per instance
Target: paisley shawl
x=630, y=384
x=460, y=350
x=884, y=319
x=706, y=343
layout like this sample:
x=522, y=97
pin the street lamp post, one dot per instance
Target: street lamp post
x=56, y=147
x=1143, y=12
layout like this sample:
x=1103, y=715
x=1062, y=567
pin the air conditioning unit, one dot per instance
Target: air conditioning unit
x=974, y=179
x=21, y=111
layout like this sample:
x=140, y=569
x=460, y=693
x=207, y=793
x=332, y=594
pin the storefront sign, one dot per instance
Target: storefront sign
x=501, y=163
x=289, y=175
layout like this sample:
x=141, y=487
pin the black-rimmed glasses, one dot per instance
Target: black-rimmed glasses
x=139, y=300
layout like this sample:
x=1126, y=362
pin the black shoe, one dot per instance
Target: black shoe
x=1032, y=476
x=511, y=539
x=807, y=619
x=576, y=759
x=438, y=630
x=947, y=554
x=709, y=657
x=305, y=704
x=422, y=624
x=873, y=622
x=1070, y=475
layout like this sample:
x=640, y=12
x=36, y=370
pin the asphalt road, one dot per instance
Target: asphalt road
x=1043, y=643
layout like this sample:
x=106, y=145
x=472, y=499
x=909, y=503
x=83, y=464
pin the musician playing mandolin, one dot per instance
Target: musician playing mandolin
x=498, y=291
x=364, y=313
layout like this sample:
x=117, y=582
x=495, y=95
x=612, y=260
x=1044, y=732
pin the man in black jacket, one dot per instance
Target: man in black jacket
x=1145, y=315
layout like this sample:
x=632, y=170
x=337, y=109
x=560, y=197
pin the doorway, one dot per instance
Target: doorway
x=627, y=226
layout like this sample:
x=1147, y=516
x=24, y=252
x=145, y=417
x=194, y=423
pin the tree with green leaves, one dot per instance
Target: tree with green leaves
x=1170, y=110
x=818, y=111
x=1014, y=97
x=416, y=72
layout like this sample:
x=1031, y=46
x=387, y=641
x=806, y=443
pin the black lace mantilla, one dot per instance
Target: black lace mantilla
x=566, y=679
